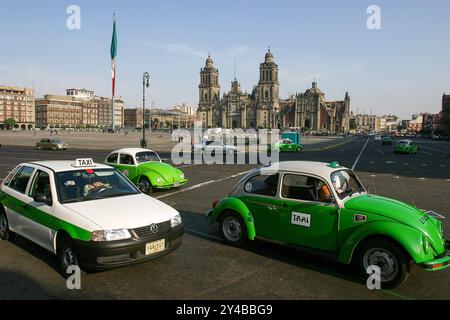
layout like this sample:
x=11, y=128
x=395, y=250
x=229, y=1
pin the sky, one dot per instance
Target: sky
x=402, y=68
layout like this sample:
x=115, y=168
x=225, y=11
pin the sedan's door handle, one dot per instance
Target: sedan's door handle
x=284, y=205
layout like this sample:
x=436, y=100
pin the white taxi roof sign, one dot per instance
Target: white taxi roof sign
x=83, y=163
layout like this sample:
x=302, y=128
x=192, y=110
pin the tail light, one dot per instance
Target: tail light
x=214, y=204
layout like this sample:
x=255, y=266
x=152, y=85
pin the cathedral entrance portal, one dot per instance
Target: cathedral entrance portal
x=308, y=123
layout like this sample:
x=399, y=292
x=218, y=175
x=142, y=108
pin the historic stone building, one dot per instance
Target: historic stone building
x=263, y=108
x=445, y=112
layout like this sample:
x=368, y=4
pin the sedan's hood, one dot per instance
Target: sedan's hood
x=128, y=212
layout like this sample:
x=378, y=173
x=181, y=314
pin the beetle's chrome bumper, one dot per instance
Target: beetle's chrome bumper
x=208, y=215
x=440, y=263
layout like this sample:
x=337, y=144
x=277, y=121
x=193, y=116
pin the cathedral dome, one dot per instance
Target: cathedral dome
x=269, y=56
x=314, y=89
x=209, y=62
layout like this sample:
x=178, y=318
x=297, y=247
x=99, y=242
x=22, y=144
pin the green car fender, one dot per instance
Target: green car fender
x=238, y=206
x=151, y=176
x=409, y=238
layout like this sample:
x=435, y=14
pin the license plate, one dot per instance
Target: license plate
x=176, y=184
x=155, y=247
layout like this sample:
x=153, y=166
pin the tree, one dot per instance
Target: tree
x=10, y=123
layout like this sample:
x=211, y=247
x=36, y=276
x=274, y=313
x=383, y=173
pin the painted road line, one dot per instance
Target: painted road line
x=436, y=150
x=360, y=154
x=201, y=185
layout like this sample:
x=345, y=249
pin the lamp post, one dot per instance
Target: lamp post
x=145, y=83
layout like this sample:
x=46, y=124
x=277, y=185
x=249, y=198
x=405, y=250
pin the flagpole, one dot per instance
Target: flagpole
x=113, y=62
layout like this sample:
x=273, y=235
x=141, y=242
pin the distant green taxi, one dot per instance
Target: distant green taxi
x=406, y=146
x=146, y=169
x=386, y=141
x=285, y=145
x=325, y=209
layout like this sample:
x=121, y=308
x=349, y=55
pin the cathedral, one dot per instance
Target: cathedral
x=263, y=108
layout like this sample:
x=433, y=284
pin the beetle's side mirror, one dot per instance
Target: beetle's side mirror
x=41, y=198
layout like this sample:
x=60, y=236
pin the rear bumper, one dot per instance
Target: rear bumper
x=109, y=255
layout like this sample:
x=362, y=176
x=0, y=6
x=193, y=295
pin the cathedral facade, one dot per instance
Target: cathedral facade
x=263, y=108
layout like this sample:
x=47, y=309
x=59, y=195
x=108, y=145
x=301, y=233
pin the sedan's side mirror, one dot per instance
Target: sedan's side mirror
x=42, y=198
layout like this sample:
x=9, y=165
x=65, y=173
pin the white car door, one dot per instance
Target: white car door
x=37, y=224
x=15, y=203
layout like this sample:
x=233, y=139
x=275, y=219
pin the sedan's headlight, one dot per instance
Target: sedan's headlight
x=175, y=221
x=111, y=235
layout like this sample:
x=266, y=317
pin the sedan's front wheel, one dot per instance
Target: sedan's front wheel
x=67, y=256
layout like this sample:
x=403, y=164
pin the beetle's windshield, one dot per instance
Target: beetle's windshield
x=85, y=185
x=346, y=184
x=147, y=156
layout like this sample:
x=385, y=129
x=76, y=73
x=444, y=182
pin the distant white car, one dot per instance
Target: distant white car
x=215, y=147
x=377, y=138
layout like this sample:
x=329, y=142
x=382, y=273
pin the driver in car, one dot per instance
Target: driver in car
x=94, y=187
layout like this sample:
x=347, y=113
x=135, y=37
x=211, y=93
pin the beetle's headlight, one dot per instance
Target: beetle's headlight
x=426, y=244
x=158, y=180
x=111, y=235
x=181, y=175
x=175, y=221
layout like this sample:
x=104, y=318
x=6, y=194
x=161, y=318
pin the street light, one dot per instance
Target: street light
x=145, y=83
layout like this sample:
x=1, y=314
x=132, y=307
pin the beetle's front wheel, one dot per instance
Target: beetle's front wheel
x=233, y=229
x=387, y=257
x=145, y=186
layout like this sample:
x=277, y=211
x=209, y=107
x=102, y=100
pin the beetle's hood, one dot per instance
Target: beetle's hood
x=164, y=170
x=401, y=212
x=128, y=212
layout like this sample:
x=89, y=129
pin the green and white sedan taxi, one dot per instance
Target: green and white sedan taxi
x=87, y=214
x=325, y=209
x=285, y=145
x=146, y=169
x=406, y=146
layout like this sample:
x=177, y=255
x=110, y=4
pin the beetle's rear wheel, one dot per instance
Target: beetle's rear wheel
x=145, y=186
x=233, y=229
x=392, y=261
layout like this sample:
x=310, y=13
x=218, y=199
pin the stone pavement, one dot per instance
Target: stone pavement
x=159, y=141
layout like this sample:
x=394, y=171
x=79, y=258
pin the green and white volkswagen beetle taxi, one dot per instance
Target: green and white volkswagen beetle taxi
x=87, y=214
x=325, y=208
x=146, y=170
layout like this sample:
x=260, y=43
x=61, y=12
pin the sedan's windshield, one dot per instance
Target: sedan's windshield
x=147, y=156
x=85, y=185
x=346, y=184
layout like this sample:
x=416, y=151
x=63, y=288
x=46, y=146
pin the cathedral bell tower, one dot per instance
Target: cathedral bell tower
x=209, y=92
x=267, y=93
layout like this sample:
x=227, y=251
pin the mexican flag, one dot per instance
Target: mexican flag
x=114, y=56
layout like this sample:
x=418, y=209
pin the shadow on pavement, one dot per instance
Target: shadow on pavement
x=198, y=226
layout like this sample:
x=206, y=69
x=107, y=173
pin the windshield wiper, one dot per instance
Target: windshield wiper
x=117, y=195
